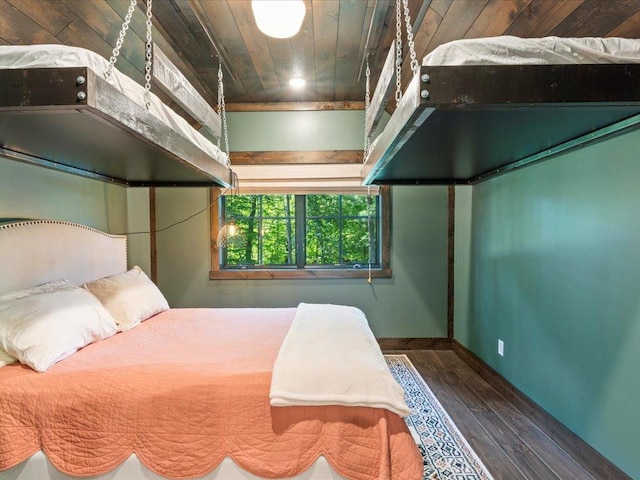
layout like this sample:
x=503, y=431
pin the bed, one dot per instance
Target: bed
x=58, y=111
x=195, y=383
x=483, y=107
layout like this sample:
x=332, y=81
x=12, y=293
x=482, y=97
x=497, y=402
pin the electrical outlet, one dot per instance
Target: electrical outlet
x=500, y=348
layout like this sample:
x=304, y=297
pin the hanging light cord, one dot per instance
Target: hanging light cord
x=234, y=185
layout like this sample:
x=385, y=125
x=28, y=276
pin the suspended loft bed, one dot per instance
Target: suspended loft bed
x=480, y=108
x=61, y=108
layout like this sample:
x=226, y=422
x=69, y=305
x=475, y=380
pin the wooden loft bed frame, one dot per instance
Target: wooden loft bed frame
x=50, y=118
x=466, y=124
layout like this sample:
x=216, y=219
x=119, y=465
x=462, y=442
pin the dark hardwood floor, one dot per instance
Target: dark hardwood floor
x=507, y=441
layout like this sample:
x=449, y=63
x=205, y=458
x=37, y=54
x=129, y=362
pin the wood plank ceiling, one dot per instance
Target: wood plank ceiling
x=329, y=50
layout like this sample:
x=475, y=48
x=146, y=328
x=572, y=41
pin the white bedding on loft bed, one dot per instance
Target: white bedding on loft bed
x=509, y=50
x=51, y=56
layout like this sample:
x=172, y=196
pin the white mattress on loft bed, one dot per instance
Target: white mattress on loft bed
x=509, y=50
x=52, y=56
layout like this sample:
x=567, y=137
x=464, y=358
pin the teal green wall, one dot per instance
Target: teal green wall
x=138, y=243
x=411, y=304
x=292, y=131
x=27, y=191
x=462, y=261
x=35, y=192
x=554, y=271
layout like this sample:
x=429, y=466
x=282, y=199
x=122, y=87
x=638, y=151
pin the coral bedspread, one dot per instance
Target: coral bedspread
x=184, y=390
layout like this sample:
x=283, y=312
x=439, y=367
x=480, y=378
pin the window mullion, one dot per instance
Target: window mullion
x=287, y=200
x=301, y=230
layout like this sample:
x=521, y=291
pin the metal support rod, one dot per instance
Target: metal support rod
x=617, y=128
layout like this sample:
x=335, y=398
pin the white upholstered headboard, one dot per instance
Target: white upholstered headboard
x=33, y=252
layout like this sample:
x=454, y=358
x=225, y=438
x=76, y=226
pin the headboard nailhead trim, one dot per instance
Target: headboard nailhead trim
x=25, y=223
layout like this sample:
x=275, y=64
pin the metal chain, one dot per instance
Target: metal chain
x=398, y=52
x=148, y=59
x=220, y=101
x=415, y=68
x=123, y=32
x=367, y=104
x=222, y=111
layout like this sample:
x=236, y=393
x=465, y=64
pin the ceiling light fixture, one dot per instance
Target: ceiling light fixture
x=279, y=18
x=297, y=82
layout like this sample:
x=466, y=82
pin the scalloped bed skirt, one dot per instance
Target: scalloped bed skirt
x=39, y=467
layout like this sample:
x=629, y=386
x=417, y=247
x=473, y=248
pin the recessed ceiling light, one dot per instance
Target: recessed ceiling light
x=297, y=82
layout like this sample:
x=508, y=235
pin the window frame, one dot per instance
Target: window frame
x=292, y=273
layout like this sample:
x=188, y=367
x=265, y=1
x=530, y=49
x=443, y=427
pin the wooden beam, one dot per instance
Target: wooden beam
x=298, y=274
x=174, y=84
x=307, y=157
x=153, y=236
x=293, y=175
x=214, y=214
x=385, y=198
x=382, y=91
x=451, y=220
x=409, y=115
x=392, y=343
x=293, y=106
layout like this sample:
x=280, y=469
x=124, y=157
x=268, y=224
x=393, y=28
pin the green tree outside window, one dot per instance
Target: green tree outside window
x=298, y=231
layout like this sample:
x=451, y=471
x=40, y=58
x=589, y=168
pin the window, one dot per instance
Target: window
x=301, y=236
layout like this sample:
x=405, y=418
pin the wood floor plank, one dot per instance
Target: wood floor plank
x=492, y=455
x=555, y=457
x=526, y=459
x=582, y=452
x=511, y=436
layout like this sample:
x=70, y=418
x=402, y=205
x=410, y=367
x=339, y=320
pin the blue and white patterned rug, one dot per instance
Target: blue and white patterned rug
x=446, y=454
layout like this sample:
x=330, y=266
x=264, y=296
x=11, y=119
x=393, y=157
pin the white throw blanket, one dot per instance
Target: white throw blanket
x=330, y=357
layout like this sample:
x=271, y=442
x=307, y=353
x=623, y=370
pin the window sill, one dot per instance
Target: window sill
x=298, y=274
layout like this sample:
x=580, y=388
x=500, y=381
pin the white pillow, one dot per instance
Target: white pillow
x=44, y=328
x=45, y=287
x=130, y=297
x=6, y=359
